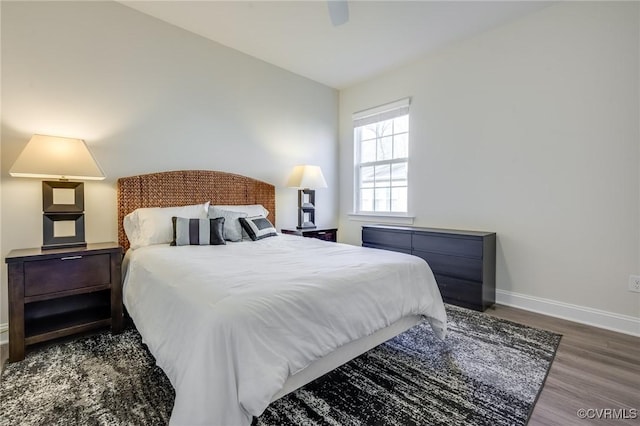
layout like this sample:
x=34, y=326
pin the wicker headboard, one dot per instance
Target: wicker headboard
x=180, y=188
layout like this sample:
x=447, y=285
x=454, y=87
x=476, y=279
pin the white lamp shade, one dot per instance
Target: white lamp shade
x=51, y=157
x=307, y=177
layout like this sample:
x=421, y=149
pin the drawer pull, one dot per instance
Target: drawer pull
x=321, y=233
x=71, y=258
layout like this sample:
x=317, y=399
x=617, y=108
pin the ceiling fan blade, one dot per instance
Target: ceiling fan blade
x=338, y=11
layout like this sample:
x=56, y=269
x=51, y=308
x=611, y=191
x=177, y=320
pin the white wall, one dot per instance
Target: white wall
x=147, y=96
x=530, y=130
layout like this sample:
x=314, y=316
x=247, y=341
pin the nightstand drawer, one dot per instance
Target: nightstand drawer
x=323, y=235
x=66, y=273
x=326, y=234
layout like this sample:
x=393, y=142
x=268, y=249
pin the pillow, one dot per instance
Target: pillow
x=232, y=227
x=258, y=227
x=152, y=225
x=249, y=209
x=197, y=232
x=130, y=223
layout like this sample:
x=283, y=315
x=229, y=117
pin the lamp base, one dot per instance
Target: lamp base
x=306, y=208
x=75, y=238
x=63, y=216
x=63, y=246
x=306, y=225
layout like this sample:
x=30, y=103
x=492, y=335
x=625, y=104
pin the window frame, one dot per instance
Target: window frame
x=377, y=115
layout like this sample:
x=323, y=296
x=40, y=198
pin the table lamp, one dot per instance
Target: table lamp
x=65, y=159
x=306, y=178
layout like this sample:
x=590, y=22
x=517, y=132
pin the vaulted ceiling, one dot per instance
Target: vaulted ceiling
x=300, y=37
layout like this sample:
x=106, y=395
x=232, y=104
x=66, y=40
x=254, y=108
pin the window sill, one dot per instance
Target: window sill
x=398, y=219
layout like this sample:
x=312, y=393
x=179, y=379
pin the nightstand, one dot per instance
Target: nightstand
x=59, y=292
x=327, y=234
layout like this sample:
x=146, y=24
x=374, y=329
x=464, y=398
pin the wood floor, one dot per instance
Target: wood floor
x=594, y=369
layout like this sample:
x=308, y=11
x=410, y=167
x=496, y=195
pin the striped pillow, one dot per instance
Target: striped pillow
x=197, y=231
x=258, y=227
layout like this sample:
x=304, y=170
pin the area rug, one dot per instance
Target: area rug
x=487, y=372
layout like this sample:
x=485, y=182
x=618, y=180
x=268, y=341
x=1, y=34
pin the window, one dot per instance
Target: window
x=381, y=139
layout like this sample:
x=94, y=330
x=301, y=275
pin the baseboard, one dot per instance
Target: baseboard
x=4, y=333
x=595, y=317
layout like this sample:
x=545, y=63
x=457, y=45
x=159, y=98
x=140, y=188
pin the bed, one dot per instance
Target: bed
x=239, y=325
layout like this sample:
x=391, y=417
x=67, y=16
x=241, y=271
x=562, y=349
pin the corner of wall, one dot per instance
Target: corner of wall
x=4, y=334
x=4, y=327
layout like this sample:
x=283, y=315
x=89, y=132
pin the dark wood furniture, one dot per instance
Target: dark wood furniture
x=58, y=292
x=327, y=234
x=463, y=262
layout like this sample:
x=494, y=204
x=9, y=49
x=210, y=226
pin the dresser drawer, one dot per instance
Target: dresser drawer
x=387, y=248
x=460, y=292
x=453, y=266
x=386, y=239
x=66, y=273
x=447, y=244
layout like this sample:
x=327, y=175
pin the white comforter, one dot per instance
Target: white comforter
x=228, y=324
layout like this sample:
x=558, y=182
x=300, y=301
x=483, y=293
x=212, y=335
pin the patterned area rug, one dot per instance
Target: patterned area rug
x=487, y=372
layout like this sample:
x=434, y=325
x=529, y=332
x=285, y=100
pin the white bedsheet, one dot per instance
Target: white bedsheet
x=228, y=324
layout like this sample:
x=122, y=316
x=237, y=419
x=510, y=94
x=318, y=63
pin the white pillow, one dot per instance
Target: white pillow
x=232, y=227
x=249, y=209
x=152, y=225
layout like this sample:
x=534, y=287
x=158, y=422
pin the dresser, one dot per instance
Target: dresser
x=463, y=262
x=59, y=292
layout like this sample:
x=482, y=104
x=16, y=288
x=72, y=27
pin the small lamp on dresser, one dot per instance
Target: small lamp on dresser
x=307, y=179
x=65, y=159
